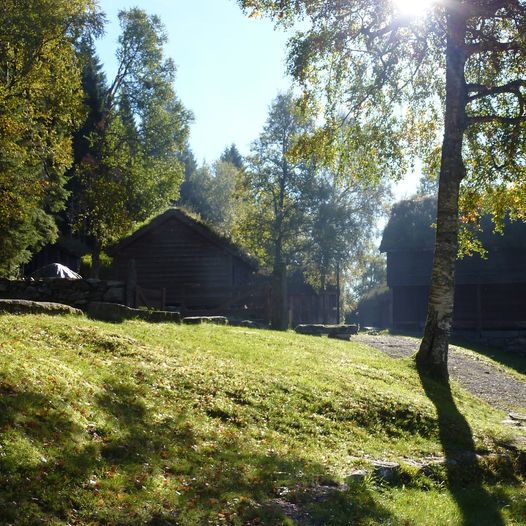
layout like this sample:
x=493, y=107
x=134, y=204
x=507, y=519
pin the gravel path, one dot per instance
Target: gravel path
x=491, y=383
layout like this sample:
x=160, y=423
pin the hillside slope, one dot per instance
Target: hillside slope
x=136, y=423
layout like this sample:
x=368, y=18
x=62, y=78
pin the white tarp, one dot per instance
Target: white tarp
x=55, y=270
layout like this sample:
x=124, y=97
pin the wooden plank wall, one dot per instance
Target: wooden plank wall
x=413, y=268
x=186, y=264
x=488, y=306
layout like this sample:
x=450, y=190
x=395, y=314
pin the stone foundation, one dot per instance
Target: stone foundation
x=74, y=292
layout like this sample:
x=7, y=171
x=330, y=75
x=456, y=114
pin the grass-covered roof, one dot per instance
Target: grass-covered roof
x=193, y=221
x=411, y=227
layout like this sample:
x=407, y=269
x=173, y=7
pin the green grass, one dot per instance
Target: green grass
x=136, y=423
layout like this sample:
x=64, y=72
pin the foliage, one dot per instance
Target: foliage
x=163, y=424
x=295, y=213
x=342, y=212
x=106, y=270
x=138, y=128
x=410, y=225
x=40, y=106
x=460, y=68
x=273, y=187
x=368, y=273
x=210, y=191
x=272, y=216
x=231, y=155
x=379, y=63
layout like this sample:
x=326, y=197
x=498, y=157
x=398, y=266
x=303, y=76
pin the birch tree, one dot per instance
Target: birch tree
x=271, y=221
x=458, y=68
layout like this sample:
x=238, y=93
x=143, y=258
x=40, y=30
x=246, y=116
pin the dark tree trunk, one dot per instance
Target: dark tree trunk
x=432, y=355
x=95, y=260
x=278, y=317
x=323, y=291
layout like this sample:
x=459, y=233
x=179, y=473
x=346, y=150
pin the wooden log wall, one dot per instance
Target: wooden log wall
x=188, y=266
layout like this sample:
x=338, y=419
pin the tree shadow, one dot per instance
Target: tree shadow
x=109, y=473
x=233, y=472
x=465, y=475
x=513, y=359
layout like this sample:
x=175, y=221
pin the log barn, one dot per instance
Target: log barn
x=307, y=305
x=196, y=268
x=490, y=292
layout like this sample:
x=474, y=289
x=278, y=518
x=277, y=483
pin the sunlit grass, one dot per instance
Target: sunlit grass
x=138, y=423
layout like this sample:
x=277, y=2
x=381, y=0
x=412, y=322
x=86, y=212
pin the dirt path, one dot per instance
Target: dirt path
x=491, y=383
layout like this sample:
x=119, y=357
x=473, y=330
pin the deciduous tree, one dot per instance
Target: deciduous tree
x=210, y=191
x=462, y=65
x=40, y=107
x=270, y=223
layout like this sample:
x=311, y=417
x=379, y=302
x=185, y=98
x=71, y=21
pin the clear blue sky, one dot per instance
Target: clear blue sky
x=230, y=67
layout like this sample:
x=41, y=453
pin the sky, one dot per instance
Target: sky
x=230, y=68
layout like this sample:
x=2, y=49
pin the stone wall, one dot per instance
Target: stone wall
x=74, y=292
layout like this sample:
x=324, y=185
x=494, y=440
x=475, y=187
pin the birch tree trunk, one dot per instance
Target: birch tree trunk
x=432, y=356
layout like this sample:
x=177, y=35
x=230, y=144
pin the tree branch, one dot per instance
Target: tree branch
x=492, y=45
x=481, y=119
x=486, y=8
x=480, y=90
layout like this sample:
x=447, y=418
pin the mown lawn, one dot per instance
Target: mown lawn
x=136, y=423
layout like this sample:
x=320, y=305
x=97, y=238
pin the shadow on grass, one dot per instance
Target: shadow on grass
x=135, y=467
x=465, y=476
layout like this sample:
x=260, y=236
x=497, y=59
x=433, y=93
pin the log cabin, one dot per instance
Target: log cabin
x=490, y=292
x=308, y=305
x=178, y=262
x=197, y=269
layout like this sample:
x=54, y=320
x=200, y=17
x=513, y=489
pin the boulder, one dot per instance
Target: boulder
x=117, y=313
x=388, y=471
x=333, y=331
x=196, y=320
x=36, y=307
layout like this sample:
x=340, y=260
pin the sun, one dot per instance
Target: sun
x=413, y=8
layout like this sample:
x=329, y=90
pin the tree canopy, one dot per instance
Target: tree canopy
x=128, y=166
x=296, y=214
x=461, y=68
x=40, y=107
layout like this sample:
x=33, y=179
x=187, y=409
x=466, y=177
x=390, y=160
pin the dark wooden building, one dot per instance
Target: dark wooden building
x=197, y=269
x=307, y=305
x=375, y=308
x=490, y=293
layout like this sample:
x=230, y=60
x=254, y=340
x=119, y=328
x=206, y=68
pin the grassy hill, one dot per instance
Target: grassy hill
x=134, y=423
